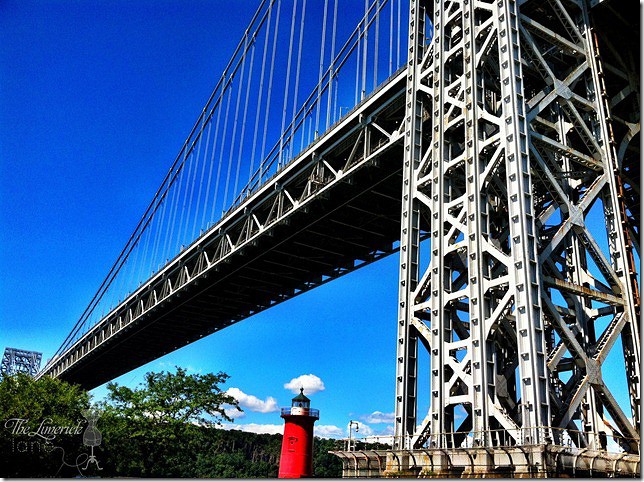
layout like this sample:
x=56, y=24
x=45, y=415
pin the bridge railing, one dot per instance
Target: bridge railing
x=609, y=440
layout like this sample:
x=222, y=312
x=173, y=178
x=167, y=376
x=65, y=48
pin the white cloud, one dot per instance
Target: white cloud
x=364, y=430
x=233, y=412
x=383, y=439
x=254, y=427
x=329, y=431
x=367, y=434
x=311, y=384
x=252, y=403
x=378, y=417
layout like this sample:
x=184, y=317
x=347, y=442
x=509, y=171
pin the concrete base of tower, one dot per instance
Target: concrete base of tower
x=533, y=461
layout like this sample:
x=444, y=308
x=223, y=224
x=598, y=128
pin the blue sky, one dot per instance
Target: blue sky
x=96, y=99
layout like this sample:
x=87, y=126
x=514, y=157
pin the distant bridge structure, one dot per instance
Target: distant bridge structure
x=494, y=144
x=15, y=360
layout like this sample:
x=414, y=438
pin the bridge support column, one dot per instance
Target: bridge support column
x=510, y=193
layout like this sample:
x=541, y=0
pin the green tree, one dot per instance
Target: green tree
x=27, y=404
x=157, y=429
x=326, y=465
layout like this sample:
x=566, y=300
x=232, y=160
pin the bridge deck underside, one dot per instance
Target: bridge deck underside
x=355, y=220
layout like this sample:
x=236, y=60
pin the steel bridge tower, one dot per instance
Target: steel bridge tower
x=15, y=361
x=510, y=177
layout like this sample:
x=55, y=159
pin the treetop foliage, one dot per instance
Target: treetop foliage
x=173, y=398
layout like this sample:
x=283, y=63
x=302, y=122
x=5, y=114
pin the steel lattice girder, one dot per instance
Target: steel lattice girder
x=15, y=361
x=507, y=153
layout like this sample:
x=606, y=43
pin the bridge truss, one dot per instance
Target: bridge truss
x=511, y=170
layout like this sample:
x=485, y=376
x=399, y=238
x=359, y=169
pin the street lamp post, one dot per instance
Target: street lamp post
x=350, y=443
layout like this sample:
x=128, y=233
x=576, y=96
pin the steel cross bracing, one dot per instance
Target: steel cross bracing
x=620, y=77
x=508, y=158
x=15, y=361
x=331, y=210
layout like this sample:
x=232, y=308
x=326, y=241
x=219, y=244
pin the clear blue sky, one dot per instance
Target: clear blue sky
x=96, y=99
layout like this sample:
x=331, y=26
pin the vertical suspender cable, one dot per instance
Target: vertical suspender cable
x=186, y=178
x=260, y=91
x=223, y=206
x=214, y=150
x=243, y=129
x=157, y=237
x=203, y=174
x=398, y=39
x=391, y=36
x=297, y=74
x=375, y=50
x=201, y=177
x=331, y=72
x=286, y=87
x=357, y=88
x=146, y=253
x=322, y=45
x=173, y=214
x=131, y=267
x=182, y=177
x=335, y=101
x=270, y=90
x=365, y=44
x=193, y=183
x=235, y=123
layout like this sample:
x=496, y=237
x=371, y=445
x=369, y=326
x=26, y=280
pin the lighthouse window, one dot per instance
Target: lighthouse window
x=292, y=441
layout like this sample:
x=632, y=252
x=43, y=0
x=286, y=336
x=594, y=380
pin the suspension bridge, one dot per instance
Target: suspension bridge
x=494, y=145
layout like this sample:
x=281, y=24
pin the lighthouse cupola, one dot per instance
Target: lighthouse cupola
x=296, y=459
x=301, y=400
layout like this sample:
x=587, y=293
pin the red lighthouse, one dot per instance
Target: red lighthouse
x=297, y=445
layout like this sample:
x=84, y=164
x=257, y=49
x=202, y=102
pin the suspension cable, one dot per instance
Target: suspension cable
x=332, y=74
x=299, y=59
x=288, y=78
x=270, y=88
x=322, y=45
x=260, y=91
